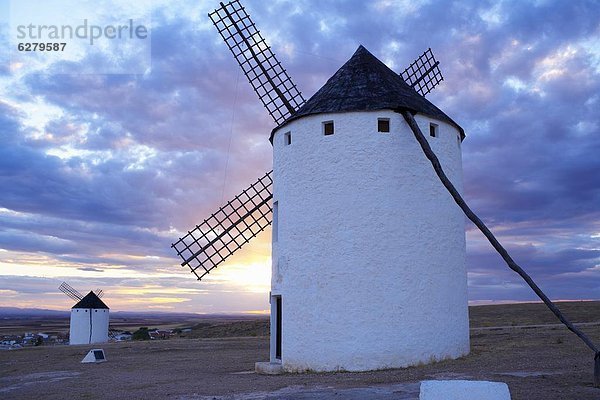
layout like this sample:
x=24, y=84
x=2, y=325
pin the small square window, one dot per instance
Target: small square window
x=433, y=130
x=287, y=138
x=383, y=124
x=328, y=128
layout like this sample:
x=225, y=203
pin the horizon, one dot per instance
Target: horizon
x=101, y=172
x=475, y=303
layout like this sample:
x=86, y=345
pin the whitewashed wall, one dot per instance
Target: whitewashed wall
x=370, y=251
x=79, y=332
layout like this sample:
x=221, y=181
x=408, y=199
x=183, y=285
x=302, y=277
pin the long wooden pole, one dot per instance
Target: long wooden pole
x=597, y=370
x=435, y=162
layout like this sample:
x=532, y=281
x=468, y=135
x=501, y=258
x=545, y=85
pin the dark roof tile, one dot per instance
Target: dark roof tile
x=90, y=300
x=364, y=83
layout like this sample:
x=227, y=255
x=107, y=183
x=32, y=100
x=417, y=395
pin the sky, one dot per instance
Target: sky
x=100, y=171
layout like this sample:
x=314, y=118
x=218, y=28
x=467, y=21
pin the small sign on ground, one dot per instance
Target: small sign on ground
x=94, y=356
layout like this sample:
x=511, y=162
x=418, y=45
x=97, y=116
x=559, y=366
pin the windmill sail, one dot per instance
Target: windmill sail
x=69, y=291
x=270, y=81
x=228, y=229
x=424, y=73
x=112, y=333
x=249, y=213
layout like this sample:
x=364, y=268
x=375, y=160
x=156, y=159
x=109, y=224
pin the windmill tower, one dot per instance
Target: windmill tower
x=89, y=317
x=368, y=254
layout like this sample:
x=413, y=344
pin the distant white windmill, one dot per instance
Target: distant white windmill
x=89, y=316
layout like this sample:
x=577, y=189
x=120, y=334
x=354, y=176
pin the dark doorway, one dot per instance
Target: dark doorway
x=278, y=327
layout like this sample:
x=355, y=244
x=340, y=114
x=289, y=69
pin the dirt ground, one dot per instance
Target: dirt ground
x=537, y=361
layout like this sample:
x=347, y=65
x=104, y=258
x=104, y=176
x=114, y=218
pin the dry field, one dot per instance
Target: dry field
x=517, y=344
x=19, y=324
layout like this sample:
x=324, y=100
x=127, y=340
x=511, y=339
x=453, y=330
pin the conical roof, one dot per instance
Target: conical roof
x=90, y=300
x=364, y=83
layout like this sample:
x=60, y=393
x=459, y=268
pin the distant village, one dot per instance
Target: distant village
x=29, y=339
x=88, y=323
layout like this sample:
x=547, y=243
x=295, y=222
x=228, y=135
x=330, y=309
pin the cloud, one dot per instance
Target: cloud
x=100, y=173
x=90, y=269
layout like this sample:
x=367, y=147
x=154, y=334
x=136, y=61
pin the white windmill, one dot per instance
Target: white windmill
x=368, y=254
x=89, y=316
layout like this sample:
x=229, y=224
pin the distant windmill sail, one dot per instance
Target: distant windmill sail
x=423, y=74
x=99, y=293
x=228, y=229
x=69, y=291
x=112, y=333
x=270, y=81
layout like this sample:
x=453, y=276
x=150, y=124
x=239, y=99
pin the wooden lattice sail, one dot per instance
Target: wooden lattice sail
x=270, y=81
x=424, y=73
x=249, y=213
x=228, y=229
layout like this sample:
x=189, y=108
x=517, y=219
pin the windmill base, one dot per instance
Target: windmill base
x=268, y=368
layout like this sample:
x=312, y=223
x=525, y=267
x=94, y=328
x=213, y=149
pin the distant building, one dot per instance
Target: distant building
x=160, y=334
x=121, y=337
x=28, y=338
x=11, y=338
x=89, y=321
